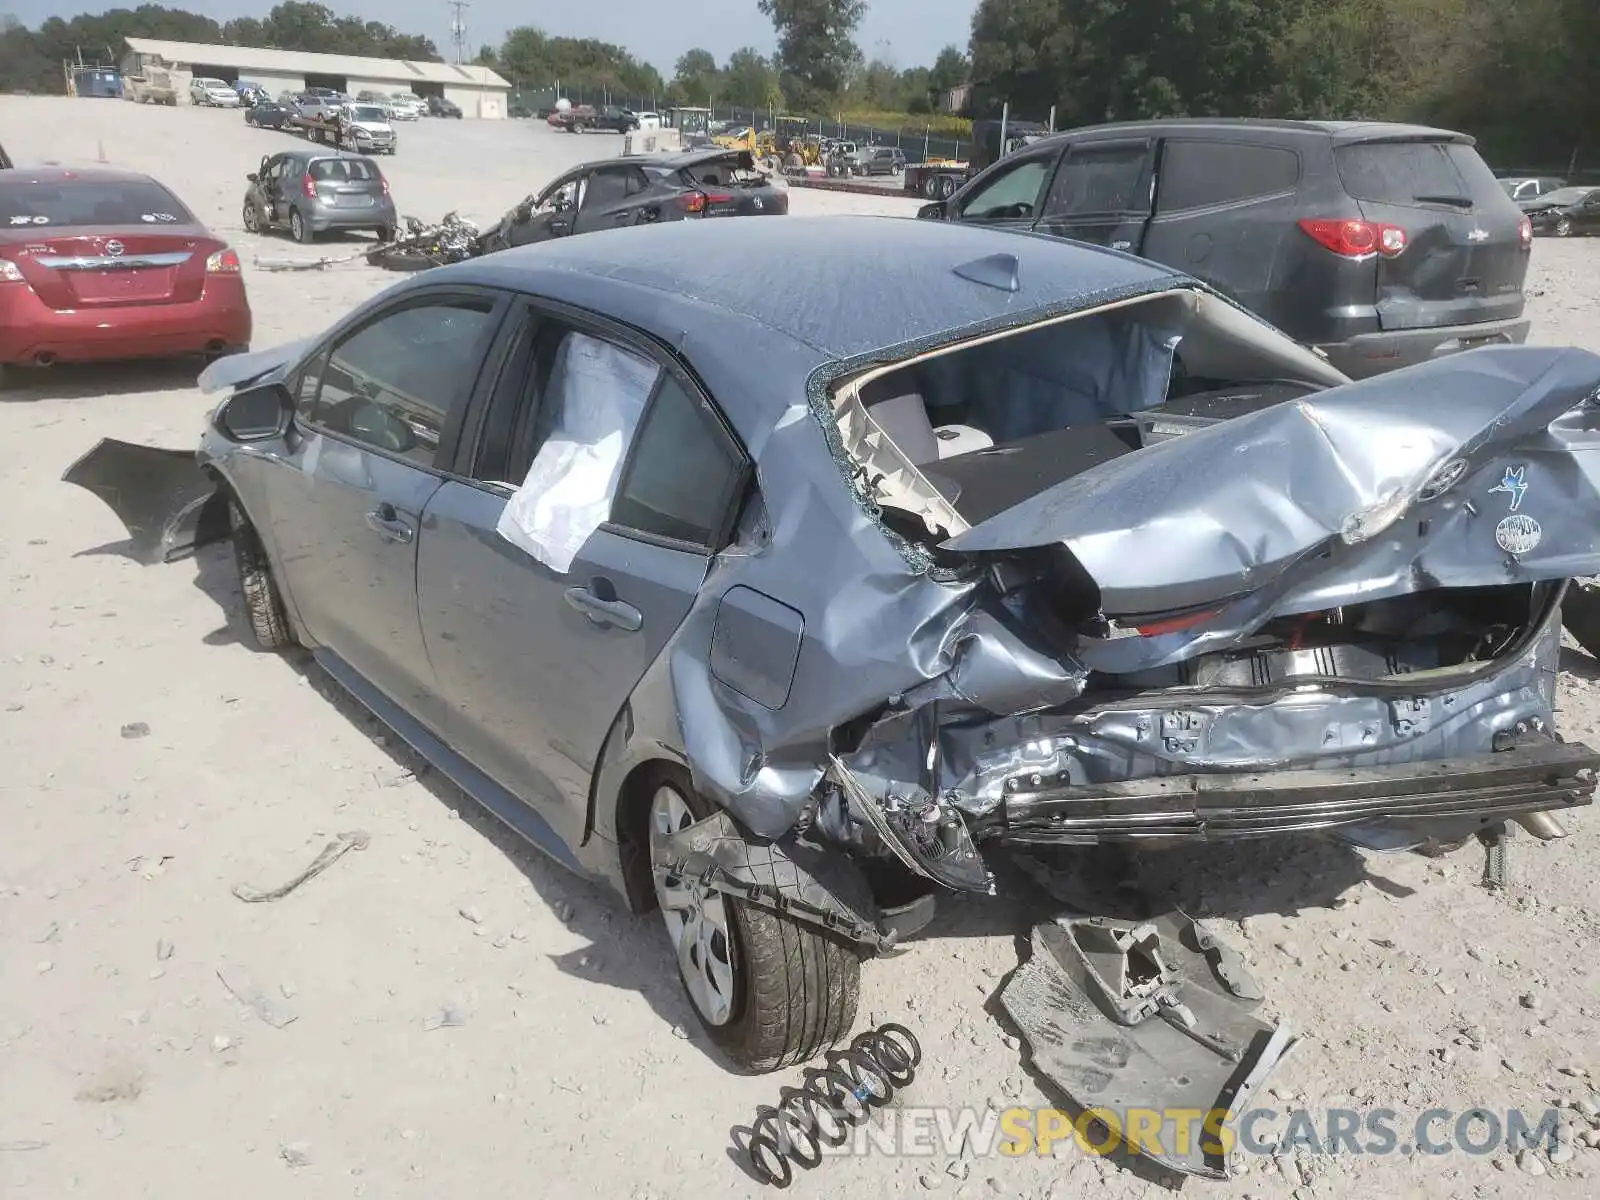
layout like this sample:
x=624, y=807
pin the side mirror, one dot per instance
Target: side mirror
x=257, y=414
x=932, y=212
x=251, y=176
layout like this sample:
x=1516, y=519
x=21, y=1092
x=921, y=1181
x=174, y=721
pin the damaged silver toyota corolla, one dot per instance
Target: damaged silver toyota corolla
x=757, y=599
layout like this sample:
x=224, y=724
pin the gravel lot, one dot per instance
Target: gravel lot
x=540, y=1043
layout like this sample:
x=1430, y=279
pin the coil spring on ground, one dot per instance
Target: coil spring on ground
x=833, y=1101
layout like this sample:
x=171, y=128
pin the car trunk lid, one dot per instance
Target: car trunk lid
x=1478, y=469
x=1464, y=258
x=347, y=182
x=106, y=268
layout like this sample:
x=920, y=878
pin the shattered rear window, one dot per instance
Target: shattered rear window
x=75, y=203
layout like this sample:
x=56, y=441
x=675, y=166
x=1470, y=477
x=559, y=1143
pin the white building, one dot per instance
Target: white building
x=478, y=91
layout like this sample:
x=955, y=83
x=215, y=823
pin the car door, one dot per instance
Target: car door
x=376, y=410
x=611, y=199
x=551, y=215
x=1102, y=194
x=1009, y=194
x=286, y=183
x=1587, y=214
x=558, y=562
x=1224, y=209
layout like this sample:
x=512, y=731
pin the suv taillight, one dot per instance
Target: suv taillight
x=1525, y=232
x=1356, y=239
x=223, y=262
x=308, y=185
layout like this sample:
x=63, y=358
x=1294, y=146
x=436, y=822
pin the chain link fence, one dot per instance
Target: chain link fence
x=918, y=142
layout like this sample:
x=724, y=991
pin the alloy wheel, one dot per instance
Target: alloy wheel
x=1564, y=228
x=697, y=921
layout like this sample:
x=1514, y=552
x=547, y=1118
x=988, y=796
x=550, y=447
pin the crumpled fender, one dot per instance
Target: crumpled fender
x=237, y=370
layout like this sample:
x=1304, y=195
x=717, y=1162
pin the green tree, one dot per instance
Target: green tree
x=816, y=47
x=750, y=80
x=695, y=78
x=950, y=70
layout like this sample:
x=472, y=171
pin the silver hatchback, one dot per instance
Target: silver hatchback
x=309, y=192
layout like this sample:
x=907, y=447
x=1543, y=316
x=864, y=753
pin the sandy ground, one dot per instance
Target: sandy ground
x=153, y=760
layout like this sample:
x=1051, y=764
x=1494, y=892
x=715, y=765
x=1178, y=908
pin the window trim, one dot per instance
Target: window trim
x=449, y=434
x=1255, y=198
x=1147, y=177
x=537, y=310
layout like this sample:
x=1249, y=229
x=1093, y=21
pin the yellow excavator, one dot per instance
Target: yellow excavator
x=791, y=138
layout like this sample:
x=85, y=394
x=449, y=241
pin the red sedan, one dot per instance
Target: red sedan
x=99, y=264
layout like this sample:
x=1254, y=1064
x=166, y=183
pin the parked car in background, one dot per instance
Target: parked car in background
x=642, y=189
x=878, y=160
x=647, y=120
x=310, y=191
x=792, y=671
x=1566, y=212
x=438, y=106
x=406, y=106
x=101, y=264
x=213, y=93
x=250, y=93
x=1522, y=188
x=1381, y=245
x=153, y=87
x=267, y=114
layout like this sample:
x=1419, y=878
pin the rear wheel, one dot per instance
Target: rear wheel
x=770, y=991
x=298, y=229
x=1563, y=228
x=263, y=606
x=947, y=188
x=930, y=187
x=252, y=219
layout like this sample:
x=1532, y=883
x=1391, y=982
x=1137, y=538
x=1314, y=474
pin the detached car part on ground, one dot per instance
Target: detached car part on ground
x=788, y=610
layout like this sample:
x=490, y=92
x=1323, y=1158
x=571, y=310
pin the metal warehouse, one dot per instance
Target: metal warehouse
x=477, y=90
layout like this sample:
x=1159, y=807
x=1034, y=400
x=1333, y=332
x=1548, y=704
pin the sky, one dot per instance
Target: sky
x=907, y=32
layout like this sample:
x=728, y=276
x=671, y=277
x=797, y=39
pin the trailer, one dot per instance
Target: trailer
x=992, y=140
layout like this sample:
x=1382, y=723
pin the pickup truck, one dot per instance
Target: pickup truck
x=362, y=127
x=153, y=87
x=582, y=117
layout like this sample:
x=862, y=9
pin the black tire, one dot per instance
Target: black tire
x=947, y=188
x=796, y=989
x=386, y=233
x=897, y=169
x=400, y=260
x=263, y=606
x=1580, y=613
x=1563, y=228
x=299, y=230
x=930, y=187
x=252, y=218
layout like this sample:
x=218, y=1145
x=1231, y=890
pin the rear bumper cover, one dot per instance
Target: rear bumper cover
x=29, y=327
x=1532, y=774
x=1369, y=354
x=322, y=218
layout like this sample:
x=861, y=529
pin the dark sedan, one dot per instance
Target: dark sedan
x=787, y=577
x=640, y=190
x=268, y=114
x=1566, y=212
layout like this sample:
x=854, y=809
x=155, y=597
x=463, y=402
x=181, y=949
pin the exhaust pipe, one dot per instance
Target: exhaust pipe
x=44, y=358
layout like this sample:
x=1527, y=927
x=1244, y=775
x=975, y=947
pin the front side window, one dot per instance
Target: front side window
x=1014, y=193
x=395, y=383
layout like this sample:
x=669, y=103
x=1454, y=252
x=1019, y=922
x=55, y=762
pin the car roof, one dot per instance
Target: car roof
x=852, y=285
x=1339, y=131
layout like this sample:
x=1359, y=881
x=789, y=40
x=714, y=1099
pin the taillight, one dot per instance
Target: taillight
x=693, y=202
x=223, y=262
x=10, y=272
x=308, y=185
x=1356, y=239
x=1175, y=624
x=385, y=183
x=1525, y=232
x=718, y=198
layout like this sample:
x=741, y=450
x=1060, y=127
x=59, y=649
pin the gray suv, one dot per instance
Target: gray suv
x=309, y=192
x=879, y=160
x=1378, y=245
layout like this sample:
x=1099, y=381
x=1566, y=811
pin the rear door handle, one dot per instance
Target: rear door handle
x=605, y=612
x=386, y=523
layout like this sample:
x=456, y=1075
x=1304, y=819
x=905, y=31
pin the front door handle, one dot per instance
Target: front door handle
x=386, y=523
x=605, y=612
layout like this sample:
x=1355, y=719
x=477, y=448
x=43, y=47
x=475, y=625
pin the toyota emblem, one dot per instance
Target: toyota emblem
x=114, y=248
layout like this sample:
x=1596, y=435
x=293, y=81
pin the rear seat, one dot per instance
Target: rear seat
x=905, y=419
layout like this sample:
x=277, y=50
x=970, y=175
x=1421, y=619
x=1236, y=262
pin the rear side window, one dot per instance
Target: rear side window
x=1099, y=179
x=1412, y=173
x=344, y=170
x=1200, y=174
x=89, y=202
x=685, y=472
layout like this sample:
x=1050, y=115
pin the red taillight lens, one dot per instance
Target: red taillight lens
x=308, y=185
x=385, y=183
x=1525, y=232
x=1175, y=624
x=718, y=198
x=223, y=262
x=692, y=202
x=1356, y=239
